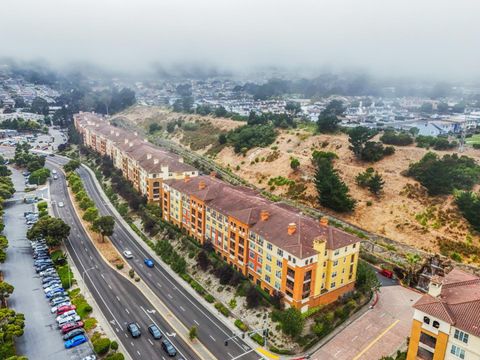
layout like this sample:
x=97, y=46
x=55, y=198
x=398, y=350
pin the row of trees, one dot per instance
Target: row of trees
x=20, y=125
x=24, y=158
x=103, y=225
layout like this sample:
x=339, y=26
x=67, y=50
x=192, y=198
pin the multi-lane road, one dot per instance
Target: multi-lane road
x=122, y=302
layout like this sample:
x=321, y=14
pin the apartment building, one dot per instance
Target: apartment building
x=143, y=164
x=446, y=321
x=274, y=245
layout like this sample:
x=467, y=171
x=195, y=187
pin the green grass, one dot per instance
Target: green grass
x=66, y=279
x=475, y=139
x=89, y=324
x=83, y=307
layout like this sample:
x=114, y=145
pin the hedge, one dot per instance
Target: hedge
x=220, y=307
x=258, y=339
x=239, y=323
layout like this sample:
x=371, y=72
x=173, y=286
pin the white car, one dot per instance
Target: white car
x=66, y=314
x=128, y=254
x=61, y=204
x=73, y=318
x=53, y=287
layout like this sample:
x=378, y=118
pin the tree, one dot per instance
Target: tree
x=442, y=108
x=72, y=165
x=253, y=297
x=292, y=322
x=293, y=107
x=154, y=127
x=39, y=177
x=426, y=108
x=328, y=119
x=220, y=112
x=294, y=163
x=104, y=225
x=367, y=280
x=222, y=139
x=3, y=247
x=53, y=230
x=192, y=333
x=203, y=260
x=86, y=203
x=90, y=214
x=376, y=183
x=357, y=137
x=11, y=325
x=5, y=291
x=332, y=191
x=412, y=261
x=39, y=106
x=468, y=203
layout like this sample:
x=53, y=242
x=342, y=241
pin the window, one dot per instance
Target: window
x=279, y=263
x=279, y=252
x=426, y=320
x=458, y=352
x=335, y=263
x=267, y=278
x=278, y=274
x=250, y=265
x=336, y=252
x=436, y=324
x=460, y=335
x=269, y=257
x=354, y=245
x=268, y=268
x=269, y=246
x=334, y=274
x=251, y=254
x=332, y=285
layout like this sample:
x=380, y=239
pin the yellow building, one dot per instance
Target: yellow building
x=446, y=321
x=275, y=246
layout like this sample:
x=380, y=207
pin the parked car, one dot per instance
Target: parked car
x=68, y=319
x=66, y=308
x=58, y=300
x=53, y=288
x=66, y=314
x=71, y=326
x=75, y=341
x=128, y=254
x=155, y=331
x=168, y=347
x=56, y=292
x=73, y=333
x=134, y=330
x=54, y=308
x=148, y=262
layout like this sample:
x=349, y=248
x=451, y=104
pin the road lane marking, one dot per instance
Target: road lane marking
x=128, y=312
x=170, y=296
x=109, y=286
x=117, y=297
x=211, y=337
x=138, y=352
x=196, y=322
x=249, y=351
x=376, y=339
x=181, y=307
x=150, y=341
x=355, y=338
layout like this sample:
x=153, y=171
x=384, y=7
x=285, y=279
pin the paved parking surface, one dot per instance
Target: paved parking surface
x=379, y=332
x=42, y=339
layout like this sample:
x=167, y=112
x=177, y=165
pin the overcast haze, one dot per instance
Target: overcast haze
x=439, y=38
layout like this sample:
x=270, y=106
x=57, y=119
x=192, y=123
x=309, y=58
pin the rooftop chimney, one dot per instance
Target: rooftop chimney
x=155, y=161
x=149, y=156
x=435, y=286
x=201, y=185
x=292, y=227
x=186, y=178
x=264, y=215
x=324, y=221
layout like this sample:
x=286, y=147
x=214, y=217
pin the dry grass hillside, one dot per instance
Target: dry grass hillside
x=404, y=212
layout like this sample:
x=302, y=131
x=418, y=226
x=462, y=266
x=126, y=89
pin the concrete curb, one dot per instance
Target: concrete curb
x=166, y=267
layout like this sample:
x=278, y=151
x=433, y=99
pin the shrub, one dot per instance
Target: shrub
x=258, y=339
x=131, y=273
x=89, y=324
x=192, y=333
x=209, y=298
x=239, y=323
x=115, y=356
x=391, y=137
x=101, y=346
x=223, y=310
x=114, y=345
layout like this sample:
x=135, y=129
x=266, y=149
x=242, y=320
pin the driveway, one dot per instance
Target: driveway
x=379, y=332
x=42, y=339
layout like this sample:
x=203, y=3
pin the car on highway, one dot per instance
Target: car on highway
x=71, y=326
x=148, y=262
x=128, y=254
x=68, y=319
x=61, y=204
x=168, y=347
x=155, y=331
x=55, y=177
x=73, y=333
x=75, y=341
x=134, y=330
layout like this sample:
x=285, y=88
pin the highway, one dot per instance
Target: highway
x=185, y=307
x=120, y=301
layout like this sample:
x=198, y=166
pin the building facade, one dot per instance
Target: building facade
x=143, y=164
x=446, y=321
x=276, y=247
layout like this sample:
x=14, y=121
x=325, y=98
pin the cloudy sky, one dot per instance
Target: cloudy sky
x=388, y=37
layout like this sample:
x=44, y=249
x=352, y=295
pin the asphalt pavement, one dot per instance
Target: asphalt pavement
x=211, y=331
x=120, y=301
x=41, y=339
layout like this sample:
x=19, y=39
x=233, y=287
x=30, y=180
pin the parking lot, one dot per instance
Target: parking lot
x=42, y=338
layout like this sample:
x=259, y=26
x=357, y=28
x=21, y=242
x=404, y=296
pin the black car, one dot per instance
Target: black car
x=73, y=333
x=155, y=331
x=168, y=347
x=134, y=330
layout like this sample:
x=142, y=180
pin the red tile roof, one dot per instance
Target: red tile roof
x=458, y=303
x=246, y=205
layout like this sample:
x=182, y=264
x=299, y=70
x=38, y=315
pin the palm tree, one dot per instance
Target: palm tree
x=412, y=260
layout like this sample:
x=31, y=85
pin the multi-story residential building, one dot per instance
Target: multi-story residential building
x=142, y=163
x=446, y=321
x=274, y=245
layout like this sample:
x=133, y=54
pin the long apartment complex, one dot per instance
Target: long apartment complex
x=143, y=164
x=446, y=321
x=276, y=247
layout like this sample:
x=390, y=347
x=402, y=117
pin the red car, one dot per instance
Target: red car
x=71, y=326
x=65, y=308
